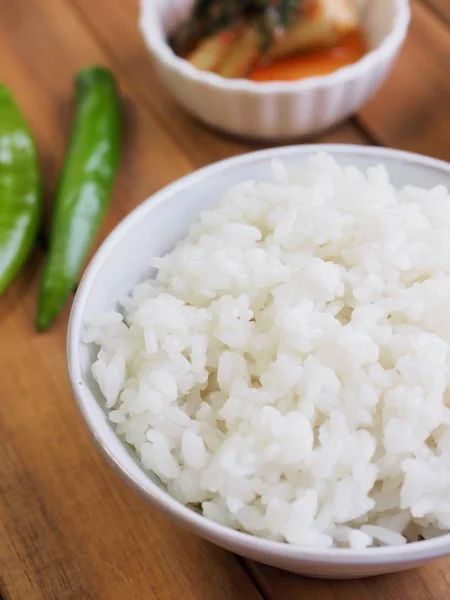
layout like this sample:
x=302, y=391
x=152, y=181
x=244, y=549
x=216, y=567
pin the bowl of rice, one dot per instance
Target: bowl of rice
x=262, y=350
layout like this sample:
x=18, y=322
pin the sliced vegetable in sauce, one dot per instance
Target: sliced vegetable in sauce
x=321, y=62
x=235, y=39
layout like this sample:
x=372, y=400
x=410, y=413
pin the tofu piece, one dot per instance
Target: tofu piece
x=326, y=22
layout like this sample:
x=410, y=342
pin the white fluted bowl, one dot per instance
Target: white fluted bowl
x=276, y=110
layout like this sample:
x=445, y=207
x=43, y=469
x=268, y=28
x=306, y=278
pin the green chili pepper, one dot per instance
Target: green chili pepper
x=84, y=188
x=20, y=190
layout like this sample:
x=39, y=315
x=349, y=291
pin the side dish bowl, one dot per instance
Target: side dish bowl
x=276, y=110
x=152, y=229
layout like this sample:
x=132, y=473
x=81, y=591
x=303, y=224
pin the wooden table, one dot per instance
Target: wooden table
x=69, y=527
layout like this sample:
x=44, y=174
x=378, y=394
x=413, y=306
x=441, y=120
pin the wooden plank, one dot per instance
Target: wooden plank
x=429, y=583
x=70, y=528
x=442, y=7
x=115, y=19
x=412, y=110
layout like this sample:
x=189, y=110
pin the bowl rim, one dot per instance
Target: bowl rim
x=160, y=498
x=149, y=21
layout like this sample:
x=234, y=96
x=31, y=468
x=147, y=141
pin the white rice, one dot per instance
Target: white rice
x=288, y=370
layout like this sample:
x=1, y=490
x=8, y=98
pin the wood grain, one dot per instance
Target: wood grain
x=412, y=110
x=69, y=527
x=442, y=7
x=429, y=583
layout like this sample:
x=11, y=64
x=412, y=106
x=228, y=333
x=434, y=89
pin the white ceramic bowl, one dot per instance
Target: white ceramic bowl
x=151, y=230
x=275, y=110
